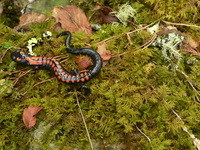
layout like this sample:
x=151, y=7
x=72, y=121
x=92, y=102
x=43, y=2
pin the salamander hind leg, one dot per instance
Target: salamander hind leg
x=82, y=84
x=85, y=87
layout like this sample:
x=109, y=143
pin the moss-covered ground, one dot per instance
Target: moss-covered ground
x=138, y=101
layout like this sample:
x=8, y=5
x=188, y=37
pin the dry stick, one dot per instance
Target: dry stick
x=15, y=81
x=143, y=134
x=190, y=83
x=195, y=140
x=145, y=45
x=13, y=71
x=88, y=134
x=38, y=84
x=117, y=36
x=180, y=24
x=1, y=58
x=24, y=73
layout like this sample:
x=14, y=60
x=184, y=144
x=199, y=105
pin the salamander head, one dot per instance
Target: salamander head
x=18, y=56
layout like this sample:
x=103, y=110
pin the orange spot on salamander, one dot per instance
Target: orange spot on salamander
x=18, y=59
x=82, y=80
x=87, y=78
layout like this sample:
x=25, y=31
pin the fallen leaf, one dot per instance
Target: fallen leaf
x=190, y=45
x=103, y=14
x=71, y=18
x=28, y=19
x=105, y=54
x=29, y=113
x=83, y=62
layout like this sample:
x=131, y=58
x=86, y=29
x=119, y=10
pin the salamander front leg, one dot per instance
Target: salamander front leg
x=36, y=67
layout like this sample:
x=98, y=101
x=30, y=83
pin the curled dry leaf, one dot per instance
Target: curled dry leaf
x=71, y=18
x=29, y=113
x=103, y=14
x=83, y=62
x=105, y=54
x=28, y=19
x=190, y=45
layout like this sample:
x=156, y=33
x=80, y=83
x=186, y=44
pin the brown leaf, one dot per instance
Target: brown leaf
x=72, y=18
x=103, y=14
x=83, y=62
x=29, y=113
x=28, y=19
x=105, y=54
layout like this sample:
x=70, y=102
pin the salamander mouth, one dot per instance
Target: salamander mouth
x=15, y=55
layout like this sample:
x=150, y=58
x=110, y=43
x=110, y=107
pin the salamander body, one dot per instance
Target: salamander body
x=52, y=64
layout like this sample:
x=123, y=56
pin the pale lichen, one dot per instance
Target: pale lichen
x=125, y=12
x=169, y=48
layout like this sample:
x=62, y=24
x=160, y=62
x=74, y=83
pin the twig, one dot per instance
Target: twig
x=13, y=71
x=190, y=83
x=1, y=58
x=117, y=36
x=143, y=134
x=24, y=73
x=145, y=45
x=180, y=24
x=84, y=120
x=195, y=140
x=15, y=81
x=38, y=84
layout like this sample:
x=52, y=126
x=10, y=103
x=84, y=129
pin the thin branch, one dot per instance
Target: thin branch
x=15, y=81
x=1, y=58
x=180, y=24
x=195, y=141
x=38, y=84
x=145, y=45
x=122, y=34
x=190, y=83
x=23, y=74
x=88, y=134
x=143, y=134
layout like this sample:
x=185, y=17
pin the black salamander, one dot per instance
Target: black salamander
x=52, y=64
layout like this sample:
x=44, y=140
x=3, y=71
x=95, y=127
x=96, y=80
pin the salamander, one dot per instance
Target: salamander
x=52, y=64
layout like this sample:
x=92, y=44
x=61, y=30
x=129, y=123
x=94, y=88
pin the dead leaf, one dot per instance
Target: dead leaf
x=29, y=113
x=103, y=14
x=28, y=19
x=190, y=45
x=71, y=18
x=105, y=54
x=83, y=62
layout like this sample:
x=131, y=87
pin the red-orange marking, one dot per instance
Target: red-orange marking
x=51, y=63
x=87, y=78
x=82, y=79
x=18, y=59
x=59, y=77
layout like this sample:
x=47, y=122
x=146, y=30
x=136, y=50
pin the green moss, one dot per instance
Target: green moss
x=133, y=91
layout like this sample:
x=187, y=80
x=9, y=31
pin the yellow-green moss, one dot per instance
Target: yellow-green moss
x=133, y=90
